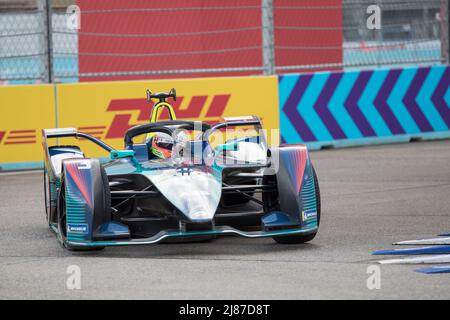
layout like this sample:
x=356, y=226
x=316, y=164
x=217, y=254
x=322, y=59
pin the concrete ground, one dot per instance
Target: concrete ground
x=371, y=197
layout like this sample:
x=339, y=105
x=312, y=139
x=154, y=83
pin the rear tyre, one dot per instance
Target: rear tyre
x=304, y=238
x=62, y=220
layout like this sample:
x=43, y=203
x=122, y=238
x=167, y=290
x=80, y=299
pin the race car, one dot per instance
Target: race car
x=179, y=181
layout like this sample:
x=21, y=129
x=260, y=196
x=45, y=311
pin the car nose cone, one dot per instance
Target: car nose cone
x=194, y=191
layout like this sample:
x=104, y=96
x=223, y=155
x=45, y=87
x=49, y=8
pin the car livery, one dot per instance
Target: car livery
x=179, y=180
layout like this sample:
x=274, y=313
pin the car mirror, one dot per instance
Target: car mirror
x=119, y=154
x=232, y=146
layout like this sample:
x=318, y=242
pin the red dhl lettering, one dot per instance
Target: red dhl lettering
x=122, y=122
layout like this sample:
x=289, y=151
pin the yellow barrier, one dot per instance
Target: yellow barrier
x=107, y=109
x=24, y=112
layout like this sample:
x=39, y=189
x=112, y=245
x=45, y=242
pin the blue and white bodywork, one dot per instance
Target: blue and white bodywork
x=204, y=189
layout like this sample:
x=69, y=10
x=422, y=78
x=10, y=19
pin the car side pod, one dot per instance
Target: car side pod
x=277, y=220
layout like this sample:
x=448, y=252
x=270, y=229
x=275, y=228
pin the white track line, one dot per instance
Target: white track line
x=435, y=269
x=437, y=241
x=422, y=259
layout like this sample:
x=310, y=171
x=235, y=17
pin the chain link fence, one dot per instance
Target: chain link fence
x=412, y=32
x=124, y=39
x=22, y=43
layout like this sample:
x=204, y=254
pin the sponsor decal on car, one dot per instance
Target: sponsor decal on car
x=309, y=215
x=77, y=228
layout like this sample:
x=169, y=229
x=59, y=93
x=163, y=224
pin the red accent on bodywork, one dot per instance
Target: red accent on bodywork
x=72, y=169
x=296, y=163
x=299, y=161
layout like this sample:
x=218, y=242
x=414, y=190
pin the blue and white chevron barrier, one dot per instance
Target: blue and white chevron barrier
x=362, y=107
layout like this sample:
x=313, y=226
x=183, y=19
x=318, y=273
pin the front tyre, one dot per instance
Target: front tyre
x=296, y=239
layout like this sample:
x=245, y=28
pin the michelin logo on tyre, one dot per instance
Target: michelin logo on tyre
x=309, y=215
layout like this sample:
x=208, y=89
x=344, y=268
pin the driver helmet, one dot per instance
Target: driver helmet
x=161, y=145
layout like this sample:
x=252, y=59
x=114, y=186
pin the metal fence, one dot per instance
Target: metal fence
x=172, y=38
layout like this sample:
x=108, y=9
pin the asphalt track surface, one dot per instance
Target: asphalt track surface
x=371, y=197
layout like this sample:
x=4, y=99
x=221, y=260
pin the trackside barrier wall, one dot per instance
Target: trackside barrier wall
x=333, y=109
x=321, y=109
x=107, y=109
x=24, y=111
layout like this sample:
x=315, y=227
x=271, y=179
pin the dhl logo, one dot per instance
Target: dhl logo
x=17, y=137
x=131, y=112
x=193, y=110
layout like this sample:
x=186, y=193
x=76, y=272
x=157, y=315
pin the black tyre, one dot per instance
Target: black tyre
x=62, y=218
x=47, y=196
x=304, y=238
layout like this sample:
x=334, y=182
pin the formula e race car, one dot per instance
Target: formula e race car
x=179, y=181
